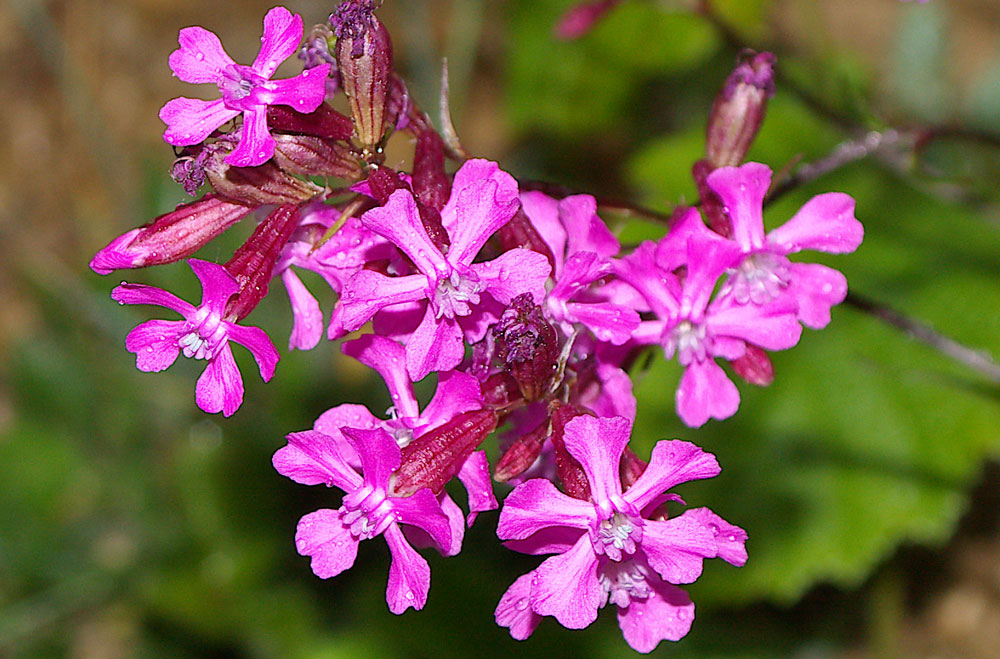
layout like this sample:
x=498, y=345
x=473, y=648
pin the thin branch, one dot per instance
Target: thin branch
x=977, y=360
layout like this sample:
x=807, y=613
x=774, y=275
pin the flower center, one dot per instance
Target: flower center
x=206, y=336
x=367, y=512
x=691, y=342
x=618, y=535
x=624, y=582
x=455, y=295
x=759, y=278
x=236, y=83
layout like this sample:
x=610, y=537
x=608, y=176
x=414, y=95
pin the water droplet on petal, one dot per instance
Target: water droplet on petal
x=682, y=614
x=409, y=595
x=200, y=57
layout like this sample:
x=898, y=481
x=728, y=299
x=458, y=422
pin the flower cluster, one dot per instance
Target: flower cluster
x=525, y=307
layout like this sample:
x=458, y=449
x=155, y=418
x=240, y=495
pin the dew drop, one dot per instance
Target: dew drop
x=732, y=537
x=409, y=595
x=200, y=57
x=682, y=614
x=714, y=528
x=305, y=74
x=522, y=604
x=261, y=154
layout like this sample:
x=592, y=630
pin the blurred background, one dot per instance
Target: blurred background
x=131, y=524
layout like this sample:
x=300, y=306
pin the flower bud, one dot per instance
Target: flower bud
x=631, y=468
x=754, y=366
x=500, y=391
x=526, y=343
x=364, y=56
x=171, y=236
x=432, y=459
x=521, y=453
x=313, y=156
x=739, y=109
x=323, y=122
x=581, y=18
x=253, y=263
x=430, y=181
x=571, y=473
x=315, y=51
x=711, y=206
x=257, y=186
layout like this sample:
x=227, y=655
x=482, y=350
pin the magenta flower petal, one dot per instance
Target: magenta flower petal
x=771, y=326
x=730, y=539
x=742, y=190
x=421, y=509
x=567, y=588
x=314, y=458
x=514, y=272
x=457, y=392
x=514, y=610
x=598, y=444
x=705, y=391
x=191, y=120
x=585, y=230
x=816, y=288
x=666, y=615
x=475, y=476
x=142, y=294
x=307, y=319
x=256, y=144
x=399, y=221
x=216, y=283
x=409, y=574
x=155, y=344
x=708, y=258
x=324, y=536
x=543, y=211
x=282, y=34
x=671, y=250
x=259, y=344
x=368, y=292
x=303, y=93
x=436, y=345
x=220, y=386
x=535, y=505
x=676, y=548
x=671, y=463
x=378, y=451
x=387, y=358
x=825, y=223
x=200, y=58
x=483, y=199
x=609, y=322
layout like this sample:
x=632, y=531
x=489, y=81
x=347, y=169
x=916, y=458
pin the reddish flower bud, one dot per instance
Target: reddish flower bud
x=364, y=56
x=434, y=458
x=314, y=156
x=739, y=109
x=430, y=181
x=521, y=453
x=582, y=17
x=253, y=263
x=171, y=236
x=754, y=366
x=571, y=474
x=383, y=181
x=257, y=186
x=527, y=345
x=324, y=122
x=500, y=390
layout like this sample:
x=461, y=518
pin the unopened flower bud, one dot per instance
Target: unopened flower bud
x=581, y=18
x=500, y=391
x=316, y=51
x=527, y=346
x=257, y=186
x=754, y=366
x=364, y=56
x=253, y=263
x=314, y=156
x=323, y=122
x=434, y=458
x=430, y=181
x=571, y=473
x=171, y=236
x=739, y=109
x=631, y=468
x=711, y=206
x=521, y=453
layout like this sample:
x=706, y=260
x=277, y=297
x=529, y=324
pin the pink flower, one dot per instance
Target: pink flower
x=826, y=223
x=614, y=547
x=331, y=537
x=246, y=90
x=483, y=199
x=204, y=333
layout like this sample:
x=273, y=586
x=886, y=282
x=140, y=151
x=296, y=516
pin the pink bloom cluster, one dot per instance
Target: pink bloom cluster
x=525, y=307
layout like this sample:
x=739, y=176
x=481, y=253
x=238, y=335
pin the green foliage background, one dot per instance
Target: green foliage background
x=130, y=520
